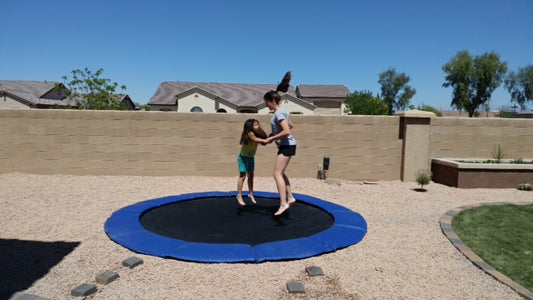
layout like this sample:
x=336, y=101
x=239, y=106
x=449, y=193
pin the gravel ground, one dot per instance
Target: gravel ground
x=52, y=240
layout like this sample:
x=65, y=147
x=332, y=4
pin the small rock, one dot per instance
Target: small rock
x=132, y=262
x=83, y=290
x=370, y=182
x=106, y=277
x=22, y=296
x=295, y=287
x=314, y=271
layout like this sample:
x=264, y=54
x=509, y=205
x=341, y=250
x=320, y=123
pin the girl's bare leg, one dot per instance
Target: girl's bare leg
x=251, y=186
x=240, y=183
x=279, y=176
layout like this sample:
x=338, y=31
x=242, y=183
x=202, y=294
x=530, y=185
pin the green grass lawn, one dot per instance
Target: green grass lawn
x=502, y=235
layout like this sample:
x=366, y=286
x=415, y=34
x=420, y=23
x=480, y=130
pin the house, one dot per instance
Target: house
x=328, y=99
x=222, y=97
x=41, y=94
x=33, y=94
x=243, y=98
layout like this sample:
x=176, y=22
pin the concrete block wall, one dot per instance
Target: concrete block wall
x=478, y=137
x=203, y=144
x=169, y=143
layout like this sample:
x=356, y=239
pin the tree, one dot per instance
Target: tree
x=93, y=92
x=473, y=79
x=363, y=103
x=394, y=89
x=423, y=177
x=520, y=86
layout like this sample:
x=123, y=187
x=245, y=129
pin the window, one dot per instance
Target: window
x=196, y=109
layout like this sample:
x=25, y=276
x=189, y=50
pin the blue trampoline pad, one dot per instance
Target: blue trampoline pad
x=212, y=227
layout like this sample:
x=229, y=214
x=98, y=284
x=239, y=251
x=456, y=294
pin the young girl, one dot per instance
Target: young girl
x=281, y=134
x=252, y=134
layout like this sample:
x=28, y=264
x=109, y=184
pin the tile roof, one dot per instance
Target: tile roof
x=322, y=91
x=35, y=88
x=34, y=92
x=240, y=94
x=43, y=93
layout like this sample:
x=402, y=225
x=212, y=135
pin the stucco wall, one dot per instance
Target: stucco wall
x=7, y=102
x=206, y=144
x=207, y=104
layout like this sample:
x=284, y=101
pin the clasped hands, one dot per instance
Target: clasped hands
x=268, y=140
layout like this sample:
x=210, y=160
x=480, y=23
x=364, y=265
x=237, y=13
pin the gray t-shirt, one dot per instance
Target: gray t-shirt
x=278, y=116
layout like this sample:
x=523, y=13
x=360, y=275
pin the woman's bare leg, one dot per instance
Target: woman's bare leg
x=288, y=189
x=282, y=182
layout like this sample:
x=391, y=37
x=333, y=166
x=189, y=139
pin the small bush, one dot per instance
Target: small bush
x=425, y=107
x=525, y=187
x=423, y=177
x=498, y=154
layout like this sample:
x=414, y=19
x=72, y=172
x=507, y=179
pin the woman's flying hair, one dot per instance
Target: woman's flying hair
x=282, y=87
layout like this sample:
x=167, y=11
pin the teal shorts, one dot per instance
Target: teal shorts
x=246, y=164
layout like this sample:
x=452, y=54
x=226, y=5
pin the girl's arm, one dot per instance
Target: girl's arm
x=257, y=140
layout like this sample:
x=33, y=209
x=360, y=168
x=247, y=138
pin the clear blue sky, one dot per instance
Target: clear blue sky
x=143, y=43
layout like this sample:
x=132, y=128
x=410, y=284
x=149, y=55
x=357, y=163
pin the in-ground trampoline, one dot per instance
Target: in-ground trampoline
x=213, y=227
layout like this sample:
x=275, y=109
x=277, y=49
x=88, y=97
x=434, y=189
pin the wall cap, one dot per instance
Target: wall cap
x=415, y=113
x=506, y=164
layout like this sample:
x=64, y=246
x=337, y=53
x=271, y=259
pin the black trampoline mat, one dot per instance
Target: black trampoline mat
x=222, y=220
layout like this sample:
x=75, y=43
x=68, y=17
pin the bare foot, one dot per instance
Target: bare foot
x=291, y=201
x=252, y=199
x=281, y=210
x=241, y=202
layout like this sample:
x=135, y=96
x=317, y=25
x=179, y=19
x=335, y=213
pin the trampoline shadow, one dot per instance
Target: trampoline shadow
x=24, y=262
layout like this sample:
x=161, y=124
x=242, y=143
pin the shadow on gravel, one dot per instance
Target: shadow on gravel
x=24, y=262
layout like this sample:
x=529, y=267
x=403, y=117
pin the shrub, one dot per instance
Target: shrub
x=525, y=187
x=423, y=177
x=498, y=154
x=429, y=108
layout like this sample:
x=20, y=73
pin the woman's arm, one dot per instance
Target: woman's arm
x=285, y=131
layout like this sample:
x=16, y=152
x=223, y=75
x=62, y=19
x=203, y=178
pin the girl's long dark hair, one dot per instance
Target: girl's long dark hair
x=249, y=127
x=282, y=87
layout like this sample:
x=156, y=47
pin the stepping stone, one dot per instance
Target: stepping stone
x=83, y=290
x=314, y=271
x=30, y=297
x=295, y=287
x=132, y=262
x=106, y=277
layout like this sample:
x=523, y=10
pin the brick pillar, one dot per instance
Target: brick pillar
x=414, y=131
